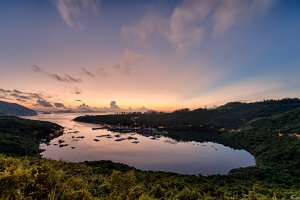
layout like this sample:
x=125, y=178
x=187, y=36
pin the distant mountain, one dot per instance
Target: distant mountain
x=15, y=109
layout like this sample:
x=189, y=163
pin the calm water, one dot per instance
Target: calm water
x=162, y=154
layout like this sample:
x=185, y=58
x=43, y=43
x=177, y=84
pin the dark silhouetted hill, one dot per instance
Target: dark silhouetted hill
x=229, y=116
x=15, y=109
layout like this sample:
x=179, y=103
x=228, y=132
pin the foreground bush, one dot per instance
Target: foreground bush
x=36, y=178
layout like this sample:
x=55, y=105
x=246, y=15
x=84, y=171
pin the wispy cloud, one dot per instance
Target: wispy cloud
x=76, y=91
x=5, y=91
x=232, y=12
x=40, y=99
x=88, y=73
x=101, y=72
x=192, y=19
x=17, y=91
x=4, y=95
x=65, y=78
x=20, y=96
x=72, y=11
x=150, y=25
x=130, y=60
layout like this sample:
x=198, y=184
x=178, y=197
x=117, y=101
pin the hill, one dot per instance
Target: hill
x=20, y=137
x=275, y=143
x=229, y=116
x=15, y=109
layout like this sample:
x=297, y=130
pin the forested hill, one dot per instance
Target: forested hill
x=229, y=116
x=275, y=143
x=21, y=137
x=15, y=109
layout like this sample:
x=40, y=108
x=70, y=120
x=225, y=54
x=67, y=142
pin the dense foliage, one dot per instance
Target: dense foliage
x=21, y=136
x=32, y=178
x=274, y=143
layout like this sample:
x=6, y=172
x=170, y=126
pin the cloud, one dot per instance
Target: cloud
x=232, y=12
x=150, y=25
x=88, y=73
x=78, y=100
x=72, y=11
x=100, y=72
x=65, y=78
x=83, y=105
x=18, y=96
x=43, y=103
x=4, y=92
x=114, y=106
x=84, y=108
x=192, y=19
x=3, y=97
x=17, y=91
x=59, y=105
x=76, y=91
x=21, y=96
x=130, y=60
x=126, y=66
x=30, y=98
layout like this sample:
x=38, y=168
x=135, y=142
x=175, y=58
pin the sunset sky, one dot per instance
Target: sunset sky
x=161, y=54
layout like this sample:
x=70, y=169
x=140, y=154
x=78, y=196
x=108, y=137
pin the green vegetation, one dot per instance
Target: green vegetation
x=278, y=157
x=32, y=178
x=269, y=139
x=21, y=137
x=230, y=116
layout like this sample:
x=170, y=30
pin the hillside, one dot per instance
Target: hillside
x=274, y=143
x=15, y=109
x=20, y=137
x=229, y=116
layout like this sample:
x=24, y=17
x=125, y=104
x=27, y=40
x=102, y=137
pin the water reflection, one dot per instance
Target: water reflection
x=82, y=142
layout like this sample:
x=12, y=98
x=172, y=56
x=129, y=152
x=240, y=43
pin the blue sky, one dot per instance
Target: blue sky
x=160, y=54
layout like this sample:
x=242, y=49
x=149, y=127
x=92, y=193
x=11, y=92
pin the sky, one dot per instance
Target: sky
x=158, y=54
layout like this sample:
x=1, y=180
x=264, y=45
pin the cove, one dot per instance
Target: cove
x=81, y=143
